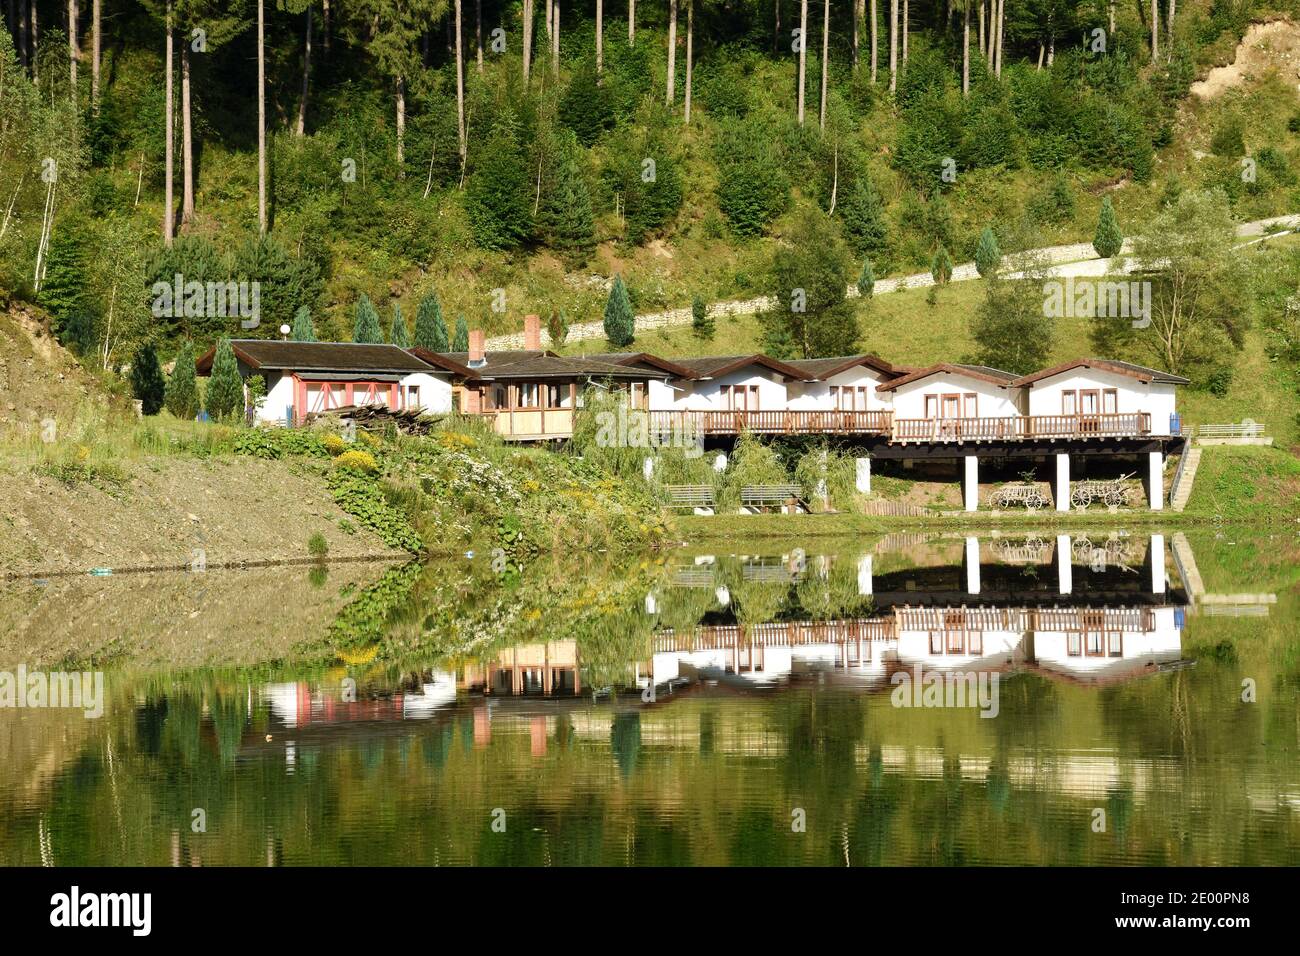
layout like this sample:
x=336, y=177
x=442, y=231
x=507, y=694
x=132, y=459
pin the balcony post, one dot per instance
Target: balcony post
x=864, y=475
x=971, y=486
x=972, y=565
x=1156, y=480
x=1064, y=569
x=1157, y=553
x=1062, y=482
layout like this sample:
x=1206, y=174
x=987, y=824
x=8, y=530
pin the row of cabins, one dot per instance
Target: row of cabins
x=946, y=409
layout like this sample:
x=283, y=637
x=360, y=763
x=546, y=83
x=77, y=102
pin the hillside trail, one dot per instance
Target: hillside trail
x=1077, y=260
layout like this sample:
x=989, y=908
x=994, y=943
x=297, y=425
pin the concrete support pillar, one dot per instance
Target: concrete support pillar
x=1157, y=564
x=864, y=475
x=865, y=582
x=1156, y=480
x=972, y=565
x=1064, y=566
x=1062, y=482
x=971, y=485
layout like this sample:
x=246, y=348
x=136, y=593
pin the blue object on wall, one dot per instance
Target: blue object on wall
x=1175, y=423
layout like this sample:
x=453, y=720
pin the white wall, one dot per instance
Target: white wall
x=279, y=397
x=709, y=395
x=816, y=396
x=435, y=391
x=1156, y=398
x=994, y=401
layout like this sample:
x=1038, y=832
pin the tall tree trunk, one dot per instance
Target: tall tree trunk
x=873, y=41
x=893, y=45
x=528, y=37
x=1042, y=50
x=600, y=37
x=776, y=26
x=549, y=14
x=906, y=31
x=306, y=76
x=690, y=53
x=478, y=34
x=169, y=131
x=1001, y=35
x=460, y=87
x=555, y=37
x=826, y=50
x=74, y=45
x=857, y=18
x=1051, y=50
x=803, y=53
x=631, y=22
x=22, y=32
x=261, y=117
x=96, y=41
x=401, y=127
x=34, y=40
x=1169, y=30
x=965, y=48
x=187, y=138
x=1155, y=29
x=1111, y=36
x=325, y=27
x=670, y=94
x=983, y=49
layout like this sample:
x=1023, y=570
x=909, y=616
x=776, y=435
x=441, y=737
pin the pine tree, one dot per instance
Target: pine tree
x=182, y=395
x=866, y=280
x=366, y=328
x=564, y=216
x=557, y=326
x=430, y=329
x=499, y=198
x=64, y=293
x=941, y=267
x=701, y=321
x=147, y=382
x=987, y=254
x=863, y=215
x=225, y=388
x=398, y=334
x=620, y=323
x=460, y=340
x=1109, y=240
x=303, y=330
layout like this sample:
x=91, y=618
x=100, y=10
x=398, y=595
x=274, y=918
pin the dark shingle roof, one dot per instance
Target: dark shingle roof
x=994, y=376
x=824, y=368
x=273, y=354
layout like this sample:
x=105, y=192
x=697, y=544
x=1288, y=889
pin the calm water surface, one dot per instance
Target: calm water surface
x=712, y=705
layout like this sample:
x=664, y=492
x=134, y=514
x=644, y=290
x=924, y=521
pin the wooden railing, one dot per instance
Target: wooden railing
x=773, y=634
x=773, y=422
x=1021, y=427
x=532, y=423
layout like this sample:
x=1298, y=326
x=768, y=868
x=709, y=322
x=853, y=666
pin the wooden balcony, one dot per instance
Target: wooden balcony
x=532, y=424
x=828, y=422
x=1021, y=427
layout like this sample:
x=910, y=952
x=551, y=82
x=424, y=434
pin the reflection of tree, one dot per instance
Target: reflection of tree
x=625, y=740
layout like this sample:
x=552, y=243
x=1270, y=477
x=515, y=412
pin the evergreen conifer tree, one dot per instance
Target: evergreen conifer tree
x=430, y=328
x=620, y=323
x=303, y=330
x=182, y=394
x=987, y=254
x=1109, y=240
x=460, y=341
x=366, y=328
x=225, y=396
x=701, y=321
x=941, y=268
x=398, y=335
x=866, y=279
x=147, y=382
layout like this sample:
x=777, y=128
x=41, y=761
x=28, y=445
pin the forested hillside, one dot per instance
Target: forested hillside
x=512, y=157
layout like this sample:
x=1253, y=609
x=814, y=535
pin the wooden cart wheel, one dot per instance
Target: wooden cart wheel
x=1080, y=498
x=1115, y=496
x=1034, y=501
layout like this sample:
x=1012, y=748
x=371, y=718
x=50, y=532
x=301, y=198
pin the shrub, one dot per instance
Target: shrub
x=620, y=323
x=1109, y=240
x=987, y=254
x=147, y=383
x=182, y=396
x=701, y=322
x=317, y=546
x=357, y=460
x=334, y=444
x=225, y=393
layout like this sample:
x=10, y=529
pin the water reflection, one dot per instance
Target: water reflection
x=675, y=708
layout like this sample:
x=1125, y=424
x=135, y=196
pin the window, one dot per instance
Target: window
x=1114, y=644
x=952, y=406
x=1073, y=644
x=1094, y=644
x=500, y=398
x=932, y=406
x=971, y=405
x=528, y=395
x=743, y=398
x=412, y=396
x=1110, y=401
x=1089, y=401
x=1070, y=402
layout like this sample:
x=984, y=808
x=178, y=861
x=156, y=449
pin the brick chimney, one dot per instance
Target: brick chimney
x=532, y=333
x=477, y=357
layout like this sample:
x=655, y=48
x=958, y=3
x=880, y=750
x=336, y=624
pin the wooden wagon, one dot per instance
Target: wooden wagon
x=1030, y=496
x=1113, y=492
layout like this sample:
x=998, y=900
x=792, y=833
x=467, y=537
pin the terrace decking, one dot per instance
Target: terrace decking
x=554, y=423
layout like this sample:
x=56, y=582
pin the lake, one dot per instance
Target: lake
x=1110, y=697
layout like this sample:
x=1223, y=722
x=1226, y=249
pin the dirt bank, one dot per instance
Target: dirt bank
x=235, y=510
